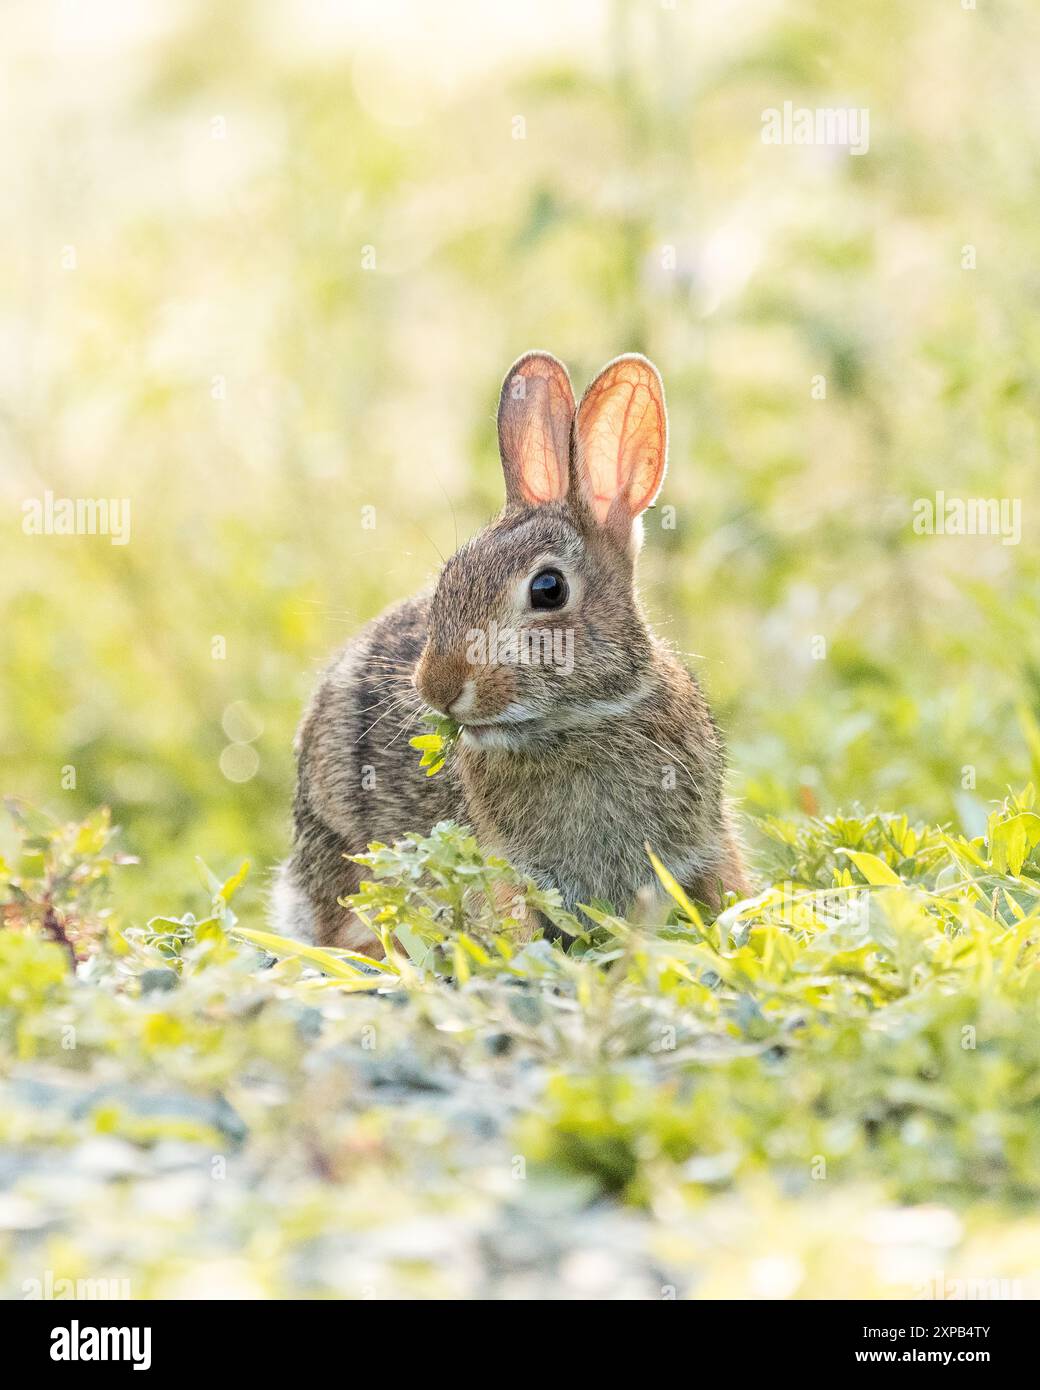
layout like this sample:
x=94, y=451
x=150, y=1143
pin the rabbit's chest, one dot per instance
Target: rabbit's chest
x=583, y=830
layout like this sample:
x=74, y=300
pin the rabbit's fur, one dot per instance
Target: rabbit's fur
x=568, y=764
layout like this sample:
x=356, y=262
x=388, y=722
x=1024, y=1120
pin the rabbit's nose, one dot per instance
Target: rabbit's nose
x=441, y=682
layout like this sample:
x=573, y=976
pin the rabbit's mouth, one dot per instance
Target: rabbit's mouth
x=504, y=732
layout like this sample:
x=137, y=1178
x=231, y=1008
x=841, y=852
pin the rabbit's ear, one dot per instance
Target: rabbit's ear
x=621, y=440
x=535, y=415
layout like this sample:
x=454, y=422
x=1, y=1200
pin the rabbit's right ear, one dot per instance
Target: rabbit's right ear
x=535, y=413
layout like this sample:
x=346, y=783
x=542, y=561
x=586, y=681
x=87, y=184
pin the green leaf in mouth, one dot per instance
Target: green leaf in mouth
x=436, y=745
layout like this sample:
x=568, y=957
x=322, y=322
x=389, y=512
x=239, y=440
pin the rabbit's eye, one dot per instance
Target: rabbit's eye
x=548, y=589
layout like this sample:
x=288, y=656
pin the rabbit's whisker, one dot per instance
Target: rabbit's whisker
x=408, y=723
x=392, y=710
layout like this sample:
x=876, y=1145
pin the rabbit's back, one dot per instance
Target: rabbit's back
x=359, y=778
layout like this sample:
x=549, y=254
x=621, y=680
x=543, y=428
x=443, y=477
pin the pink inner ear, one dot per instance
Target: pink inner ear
x=534, y=424
x=543, y=473
x=621, y=425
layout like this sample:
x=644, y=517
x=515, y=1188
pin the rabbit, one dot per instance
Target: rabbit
x=583, y=737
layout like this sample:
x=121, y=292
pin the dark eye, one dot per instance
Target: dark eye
x=548, y=589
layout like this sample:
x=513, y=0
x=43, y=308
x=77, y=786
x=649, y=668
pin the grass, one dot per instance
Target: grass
x=828, y=1090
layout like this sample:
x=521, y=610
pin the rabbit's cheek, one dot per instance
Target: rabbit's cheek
x=498, y=688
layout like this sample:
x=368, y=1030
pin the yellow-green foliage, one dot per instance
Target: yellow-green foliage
x=850, y=1057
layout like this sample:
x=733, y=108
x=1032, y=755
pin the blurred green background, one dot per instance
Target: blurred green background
x=263, y=267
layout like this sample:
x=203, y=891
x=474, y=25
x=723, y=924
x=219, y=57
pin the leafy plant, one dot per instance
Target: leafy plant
x=57, y=877
x=436, y=745
x=447, y=904
x=678, y=1069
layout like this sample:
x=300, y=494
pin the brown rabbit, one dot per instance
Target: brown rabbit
x=582, y=735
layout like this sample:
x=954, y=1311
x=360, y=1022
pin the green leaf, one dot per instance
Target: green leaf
x=1012, y=841
x=674, y=889
x=229, y=888
x=333, y=961
x=432, y=742
x=873, y=869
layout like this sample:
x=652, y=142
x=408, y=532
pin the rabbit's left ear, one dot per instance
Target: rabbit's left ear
x=621, y=438
x=535, y=415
